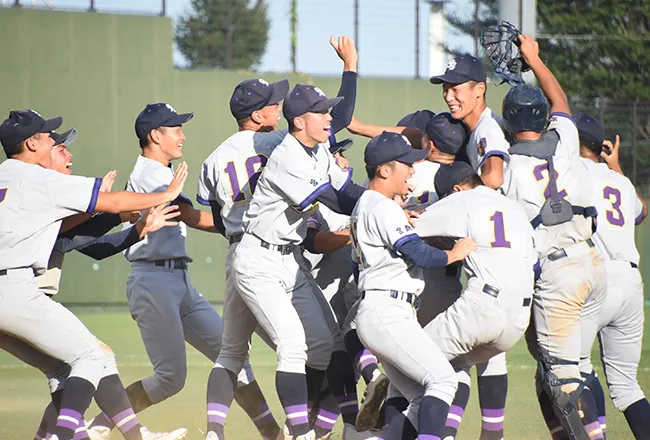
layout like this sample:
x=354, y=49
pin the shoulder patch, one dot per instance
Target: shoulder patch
x=482, y=145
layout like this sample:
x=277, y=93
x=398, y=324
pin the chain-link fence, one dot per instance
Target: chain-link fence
x=631, y=121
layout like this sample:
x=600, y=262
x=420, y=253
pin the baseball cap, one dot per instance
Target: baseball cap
x=417, y=119
x=589, y=128
x=304, y=99
x=66, y=138
x=388, y=147
x=448, y=134
x=450, y=175
x=158, y=115
x=461, y=69
x=23, y=124
x=339, y=146
x=255, y=94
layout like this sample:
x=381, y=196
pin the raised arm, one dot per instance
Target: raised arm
x=343, y=111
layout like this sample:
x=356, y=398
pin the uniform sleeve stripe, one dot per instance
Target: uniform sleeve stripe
x=569, y=117
x=639, y=219
x=314, y=195
x=94, y=196
x=403, y=240
x=502, y=154
x=184, y=199
x=202, y=201
x=347, y=180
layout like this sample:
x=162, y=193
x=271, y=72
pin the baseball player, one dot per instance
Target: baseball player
x=89, y=238
x=33, y=200
x=621, y=320
x=266, y=263
x=159, y=276
x=494, y=310
x=390, y=256
x=548, y=179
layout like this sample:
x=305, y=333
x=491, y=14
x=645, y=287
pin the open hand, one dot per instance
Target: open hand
x=107, y=181
x=347, y=51
x=159, y=217
x=176, y=186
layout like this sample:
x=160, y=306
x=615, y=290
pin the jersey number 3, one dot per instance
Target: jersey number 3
x=254, y=166
x=3, y=194
x=614, y=217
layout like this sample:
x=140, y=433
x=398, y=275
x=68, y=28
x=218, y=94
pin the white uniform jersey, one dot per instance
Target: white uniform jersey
x=287, y=190
x=149, y=176
x=378, y=226
x=528, y=184
x=504, y=237
x=230, y=174
x=424, y=193
x=486, y=140
x=33, y=200
x=619, y=209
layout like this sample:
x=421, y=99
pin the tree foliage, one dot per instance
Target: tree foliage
x=487, y=12
x=598, y=47
x=229, y=34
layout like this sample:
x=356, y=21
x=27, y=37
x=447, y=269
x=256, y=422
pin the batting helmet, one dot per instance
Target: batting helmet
x=525, y=109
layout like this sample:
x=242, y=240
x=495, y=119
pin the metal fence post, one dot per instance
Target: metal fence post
x=163, y=12
x=92, y=6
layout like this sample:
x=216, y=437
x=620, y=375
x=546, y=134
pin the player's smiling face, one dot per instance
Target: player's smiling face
x=269, y=116
x=171, y=142
x=463, y=99
x=400, y=173
x=61, y=159
x=317, y=126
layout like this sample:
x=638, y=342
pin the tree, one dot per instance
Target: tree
x=598, y=47
x=230, y=34
x=484, y=13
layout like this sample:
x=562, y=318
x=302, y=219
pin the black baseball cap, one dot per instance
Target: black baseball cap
x=305, y=99
x=417, y=119
x=448, y=134
x=388, y=147
x=590, y=129
x=23, y=124
x=66, y=138
x=255, y=94
x=339, y=146
x=450, y=175
x=158, y=115
x=461, y=69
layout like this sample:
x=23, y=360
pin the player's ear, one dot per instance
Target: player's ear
x=155, y=136
x=256, y=117
x=30, y=143
x=382, y=171
x=480, y=89
x=456, y=188
x=299, y=123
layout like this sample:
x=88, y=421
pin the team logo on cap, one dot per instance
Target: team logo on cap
x=36, y=113
x=406, y=140
x=451, y=65
x=171, y=108
x=261, y=81
x=319, y=91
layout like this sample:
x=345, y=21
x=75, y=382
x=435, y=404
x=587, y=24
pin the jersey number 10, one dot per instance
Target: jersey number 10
x=254, y=166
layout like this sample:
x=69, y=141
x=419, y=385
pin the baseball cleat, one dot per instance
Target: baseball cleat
x=212, y=436
x=178, y=434
x=374, y=397
x=99, y=433
x=311, y=435
x=351, y=433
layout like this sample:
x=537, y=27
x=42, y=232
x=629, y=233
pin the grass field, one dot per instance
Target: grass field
x=24, y=392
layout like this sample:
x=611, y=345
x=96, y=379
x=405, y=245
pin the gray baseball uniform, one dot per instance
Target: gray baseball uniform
x=266, y=269
x=388, y=326
x=162, y=299
x=572, y=278
x=33, y=200
x=621, y=319
x=500, y=275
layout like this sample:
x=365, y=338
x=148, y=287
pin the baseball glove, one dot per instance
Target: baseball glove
x=501, y=43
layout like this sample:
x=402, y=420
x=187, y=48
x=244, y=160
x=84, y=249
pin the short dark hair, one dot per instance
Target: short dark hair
x=371, y=170
x=292, y=126
x=592, y=146
x=13, y=150
x=144, y=141
x=473, y=180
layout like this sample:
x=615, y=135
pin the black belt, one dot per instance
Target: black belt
x=410, y=298
x=284, y=249
x=3, y=272
x=634, y=265
x=175, y=263
x=235, y=238
x=494, y=292
x=559, y=254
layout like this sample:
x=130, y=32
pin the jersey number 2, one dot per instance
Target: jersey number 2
x=499, y=231
x=252, y=170
x=614, y=217
x=538, y=172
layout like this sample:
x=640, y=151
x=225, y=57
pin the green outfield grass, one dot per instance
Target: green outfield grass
x=24, y=392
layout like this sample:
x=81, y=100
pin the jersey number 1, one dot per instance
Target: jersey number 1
x=252, y=170
x=499, y=231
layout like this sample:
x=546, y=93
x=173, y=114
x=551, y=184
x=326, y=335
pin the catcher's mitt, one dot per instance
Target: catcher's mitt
x=501, y=43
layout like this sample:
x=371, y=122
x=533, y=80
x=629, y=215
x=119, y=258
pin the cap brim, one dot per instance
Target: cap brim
x=177, y=120
x=324, y=105
x=413, y=156
x=449, y=78
x=67, y=138
x=342, y=146
x=51, y=125
x=278, y=91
